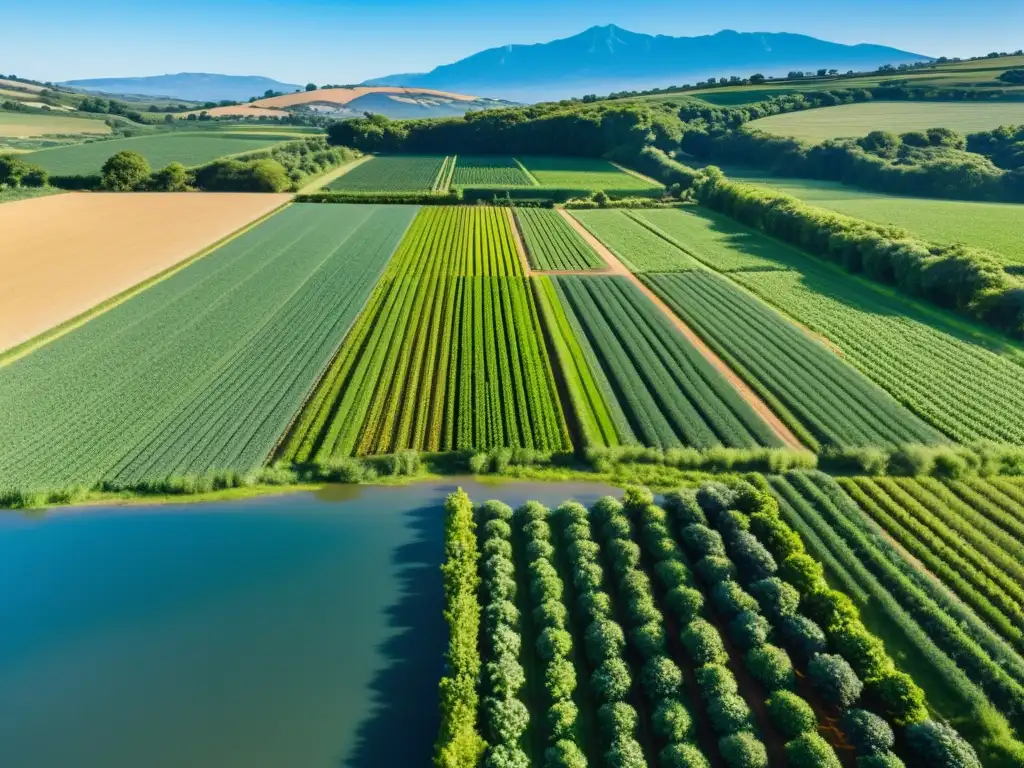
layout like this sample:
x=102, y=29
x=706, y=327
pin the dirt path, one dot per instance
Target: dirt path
x=321, y=181
x=616, y=267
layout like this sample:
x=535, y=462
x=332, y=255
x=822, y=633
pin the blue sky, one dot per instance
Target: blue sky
x=340, y=41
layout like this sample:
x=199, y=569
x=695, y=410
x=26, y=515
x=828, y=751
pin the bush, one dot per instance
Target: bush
x=683, y=506
x=809, y=750
x=506, y=719
x=749, y=630
x=560, y=678
x=671, y=720
x=595, y=605
x=704, y=644
x=562, y=716
x=504, y=756
x=802, y=637
x=682, y=756
x=618, y=718
x=554, y=642
x=729, y=714
x=743, y=750
x=587, y=576
x=661, y=677
x=713, y=570
x=771, y=666
x=623, y=554
x=790, y=714
x=685, y=603
x=715, y=681
x=625, y=753
x=835, y=680
x=867, y=732
x=648, y=639
x=886, y=760
x=125, y=171
x=564, y=754
x=731, y=599
x=898, y=697
x=551, y=613
x=938, y=745
x=505, y=675
x=803, y=572
x=753, y=561
x=174, y=178
x=775, y=597
x=700, y=541
x=604, y=640
x=611, y=680
x=672, y=574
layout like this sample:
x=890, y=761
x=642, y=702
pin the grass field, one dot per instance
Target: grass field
x=392, y=173
x=994, y=226
x=898, y=116
x=552, y=244
x=187, y=148
x=671, y=395
x=204, y=370
x=26, y=193
x=581, y=173
x=449, y=354
x=69, y=236
x=925, y=360
x=22, y=125
x=486, y=171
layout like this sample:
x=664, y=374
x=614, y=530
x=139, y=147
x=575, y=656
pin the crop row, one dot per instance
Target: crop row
x=552, y=244
x=204, y=370
x=448, y=355
x=922, y=357
x=808, y=385
x=393, y=173
x=489, y=171
x=670, y=393
x=636, y=246
x=957, y=648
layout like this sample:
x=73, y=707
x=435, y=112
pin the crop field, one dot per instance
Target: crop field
x=994, y=226
x=670, y=393
x=189, y=149
x=69, y=235
x=920, y=356
x=22, y=125
x=449, y=354
x=581, y=173
x=551, y=244
x=954, y=619
x=204, y=370
x=632, y=634
x=393, y=173
x=897, y=116
x=489, y=171
x=634, y=244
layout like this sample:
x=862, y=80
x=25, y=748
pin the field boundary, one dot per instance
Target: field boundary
x=749, y=396
x=530, y=176
x=31, y=345
x=331, y=175
x=637, y=174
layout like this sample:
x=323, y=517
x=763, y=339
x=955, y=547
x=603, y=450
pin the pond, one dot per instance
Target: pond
x=294, y=631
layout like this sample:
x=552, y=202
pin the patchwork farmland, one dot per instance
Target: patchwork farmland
x=551, y=244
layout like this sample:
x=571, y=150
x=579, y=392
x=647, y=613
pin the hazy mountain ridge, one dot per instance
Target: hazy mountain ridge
x=189, y=86
x=602, y=59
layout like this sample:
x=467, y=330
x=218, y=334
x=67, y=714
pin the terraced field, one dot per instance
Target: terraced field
x=204, y=370
x=449, y=354
x=551, y=244
x=393, y=173
x=189, y=149
x=489, y=171
x=923, y=357
x=670, y=393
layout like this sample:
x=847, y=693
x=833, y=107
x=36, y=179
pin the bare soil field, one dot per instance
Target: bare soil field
x=65, y=254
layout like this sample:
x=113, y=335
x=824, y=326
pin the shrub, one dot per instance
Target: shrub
x=560, y=678
x=790, y=714
x=938, y=745
x=771, y=666
x=672, y=573
x=564, y=754
x=685, y=603
x=898, y=697
x=743, y=750
x=625, y=753
x=730, y=598
x=809, y=750
x=554, y=642
x=505, y=640
x=865, y=652
x=174, y=178
x=684, y=508
x=551, y=613
x=562, y=716
x=715, y=681
x=867, y=732
x=671, y=720
x=704, y=644
x=125, y=171
x=713, y=570
x=623, y=554
x=775, y=597
x=617, y=528
x=749, y=630
x=835, y=680
x=496, y=547
x=648, y=639
x=729, y=714
x=595, y=605
x=682, y=756
x=831, y=609
x=753, y=561
x=886, y=760
x=661, y=677
x=618, y=718
x=604, y=640
x=587, y=577
x=700, y=541
x=506, y=719
x=803, y=637
x=505, y=675
x=803, y=572
x=504, y=756
x=611, y=680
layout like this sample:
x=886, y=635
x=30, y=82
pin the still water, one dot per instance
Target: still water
x=296, y=631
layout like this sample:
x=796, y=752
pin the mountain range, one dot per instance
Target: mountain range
x=189, y=86
x=608, y=58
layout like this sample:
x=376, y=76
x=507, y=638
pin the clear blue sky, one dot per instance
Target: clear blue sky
x=343, y=41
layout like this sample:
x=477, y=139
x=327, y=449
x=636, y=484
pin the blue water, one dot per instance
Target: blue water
x=281, y=632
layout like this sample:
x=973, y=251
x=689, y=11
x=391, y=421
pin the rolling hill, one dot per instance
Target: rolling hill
x=189, y=86
x=609, y=58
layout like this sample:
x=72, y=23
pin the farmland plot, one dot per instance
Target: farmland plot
x=489, y=171
x=204, y=370
x=636, y=246
x=950, y=379
x=551, y=244
x=582, y=173
x=449, y=354
x=392, y=173
x=670, y=393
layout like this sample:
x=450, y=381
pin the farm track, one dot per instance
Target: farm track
x=616, y=267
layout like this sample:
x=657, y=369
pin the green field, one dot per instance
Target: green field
x=581, y=173
x=637, y=247
x=671, y=394
x=993, y=226
x=897, y=116
x=187, y=148
x=449, y=354
x=489, y=171
x=921, y=357
x=26, y=193
x=23, y=125
x=392, y=173
x=204, y=370
x=552, y=244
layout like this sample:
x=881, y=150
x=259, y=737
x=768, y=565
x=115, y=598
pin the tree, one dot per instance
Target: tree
x=671, y=720
x=611, y=680
x=867, y=732
x=835, y=680
x=564, y=754
x=822, y=72
x=677, y=755
x=791, y=714
x=809, y=750
x=125, y=171
x=743, y=750
x=661, y=677
x=310, y=86
x=938, y=745
x=757, y=79
x=269, y=176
